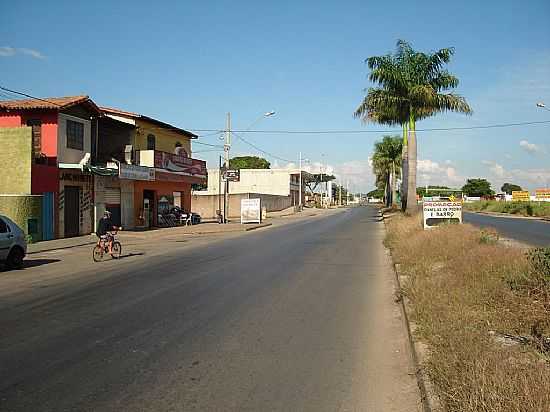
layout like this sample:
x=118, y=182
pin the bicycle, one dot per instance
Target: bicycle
x=102, y=248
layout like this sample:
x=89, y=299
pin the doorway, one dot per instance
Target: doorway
x=149, y=208
x=72, y=211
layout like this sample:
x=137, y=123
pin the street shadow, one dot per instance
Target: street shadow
x=129, y=255
x=31, y=263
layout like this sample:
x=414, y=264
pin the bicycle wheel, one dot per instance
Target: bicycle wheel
x=117, y=250
x=98, y=253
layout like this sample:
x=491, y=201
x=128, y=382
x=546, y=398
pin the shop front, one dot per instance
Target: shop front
x=75, y=203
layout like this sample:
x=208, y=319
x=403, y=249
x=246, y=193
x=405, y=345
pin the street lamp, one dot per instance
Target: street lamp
x=542, y=106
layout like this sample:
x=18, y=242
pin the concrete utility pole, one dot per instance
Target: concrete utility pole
x=300, y=183
x=340, y=195
x=226, y=148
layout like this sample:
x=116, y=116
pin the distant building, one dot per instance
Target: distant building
x=278, y=189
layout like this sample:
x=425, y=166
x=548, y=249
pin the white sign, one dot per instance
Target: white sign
x=251, y=211
x=134, y=172
x=436, y=212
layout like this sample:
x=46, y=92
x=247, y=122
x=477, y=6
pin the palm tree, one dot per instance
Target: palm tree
x=411, y=86
x=386, y=162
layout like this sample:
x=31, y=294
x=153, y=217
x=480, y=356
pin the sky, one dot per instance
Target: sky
x=190, y=63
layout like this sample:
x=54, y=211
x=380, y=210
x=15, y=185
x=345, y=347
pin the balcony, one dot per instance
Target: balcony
x=172, y=163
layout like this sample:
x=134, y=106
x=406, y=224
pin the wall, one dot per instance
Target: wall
x=206, y=205
x=165, y=138
x=48, y=130
x=69, y=177
x=160, y=188
x=44, y=179
x=66, y=155
x=21, y=208
x=267, y=181
x=15, y=160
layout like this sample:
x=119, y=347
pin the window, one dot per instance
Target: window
x=151, y=142
x=75, y=135
x=3, y=227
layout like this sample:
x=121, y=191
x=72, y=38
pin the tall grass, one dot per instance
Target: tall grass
x=467, y=297
x=539, y=209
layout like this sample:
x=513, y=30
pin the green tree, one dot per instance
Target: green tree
x=411, y=86
x=249, y=162
x=477, y=187
x=386, y=162
x=508, y=188
x=433, y=191
x=376, y=193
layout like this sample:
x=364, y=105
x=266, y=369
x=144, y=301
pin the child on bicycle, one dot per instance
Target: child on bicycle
x=104, y=226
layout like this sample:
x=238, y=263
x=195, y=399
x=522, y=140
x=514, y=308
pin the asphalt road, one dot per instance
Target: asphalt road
x=531, y=231
x=293, y=318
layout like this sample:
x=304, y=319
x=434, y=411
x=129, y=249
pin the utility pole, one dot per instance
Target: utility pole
x=219, y=187
x=226, y=148
x=300, y=183
x=340, y=195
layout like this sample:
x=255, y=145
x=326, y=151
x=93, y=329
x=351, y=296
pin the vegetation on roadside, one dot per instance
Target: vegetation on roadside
x=538, y=209
x=477, y=187
x=386, y=165
x=483, y=309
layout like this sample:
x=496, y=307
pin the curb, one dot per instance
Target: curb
x=91, y=242
x=427, y=396
x=509, y=215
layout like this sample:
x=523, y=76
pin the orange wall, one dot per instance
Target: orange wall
x=160, y=188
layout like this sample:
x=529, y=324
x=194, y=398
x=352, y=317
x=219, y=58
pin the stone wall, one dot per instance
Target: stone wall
x=15, y=160
x=25, y=211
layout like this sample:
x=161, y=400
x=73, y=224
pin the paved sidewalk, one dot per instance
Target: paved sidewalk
x=201, y=229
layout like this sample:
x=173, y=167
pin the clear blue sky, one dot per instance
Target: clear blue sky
x=189, y=63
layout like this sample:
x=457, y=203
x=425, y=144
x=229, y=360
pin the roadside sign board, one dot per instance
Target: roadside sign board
x=232, y=175
x=251, y=211
x=520, y=196
x=135, y=172
x=542, y=194
x=441, y=211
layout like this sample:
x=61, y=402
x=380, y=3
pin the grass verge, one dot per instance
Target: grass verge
x=483, y=309
x=538, y=209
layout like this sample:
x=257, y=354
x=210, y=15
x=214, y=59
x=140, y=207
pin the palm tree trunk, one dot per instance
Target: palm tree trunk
x=404, y=172
x=412, y=204
x=393, y=187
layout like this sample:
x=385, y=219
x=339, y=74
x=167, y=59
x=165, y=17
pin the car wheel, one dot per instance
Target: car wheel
x=15, y=258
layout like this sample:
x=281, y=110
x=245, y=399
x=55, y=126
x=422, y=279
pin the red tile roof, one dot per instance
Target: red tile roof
x=131, y=115
x=50, y=103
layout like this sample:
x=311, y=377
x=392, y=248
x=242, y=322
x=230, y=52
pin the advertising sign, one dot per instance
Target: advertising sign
x=180, y=163
x=169, y=177
x=134, y=172
x=442, y=211
x=251, y=211
x=232, y=175
x=542, y=194
x=520, y=196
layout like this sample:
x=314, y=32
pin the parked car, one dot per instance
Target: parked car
x=13, y=246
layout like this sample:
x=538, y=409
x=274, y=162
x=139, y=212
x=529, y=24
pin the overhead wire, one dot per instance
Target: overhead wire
x=261, y=150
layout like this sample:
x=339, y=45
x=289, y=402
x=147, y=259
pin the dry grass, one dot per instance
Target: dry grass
x=467, y=295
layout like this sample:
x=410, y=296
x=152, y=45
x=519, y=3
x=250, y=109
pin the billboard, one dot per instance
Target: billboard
x=179, y=163
x=520, y=196
x=542, y=194
x=441, y=211
x=251, y=211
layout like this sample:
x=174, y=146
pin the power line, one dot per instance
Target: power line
x=261, y=150
x=436, y=129
x=208, y=144
x=29, y=96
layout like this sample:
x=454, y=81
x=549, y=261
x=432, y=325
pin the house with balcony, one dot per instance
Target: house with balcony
x=46, y=144
x=155, y=167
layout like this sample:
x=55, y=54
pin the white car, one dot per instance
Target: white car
x=13, y=246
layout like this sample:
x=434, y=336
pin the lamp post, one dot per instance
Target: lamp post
x=541, y=105
x=300, y=182
x=226, y=148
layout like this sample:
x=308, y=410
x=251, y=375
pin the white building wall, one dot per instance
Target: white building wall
x=64, y=154
x=266, y=181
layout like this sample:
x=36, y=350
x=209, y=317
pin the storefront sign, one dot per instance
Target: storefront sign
x=520, y=196
x=169, y=177
x=436, y=212
x=232, y=175
x=542, y=194
x=179, y=163
x=75, y=177
x=251, y=211
x=134, y=172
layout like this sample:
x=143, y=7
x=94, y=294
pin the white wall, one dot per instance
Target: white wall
x=64, y=154
x=267, y=181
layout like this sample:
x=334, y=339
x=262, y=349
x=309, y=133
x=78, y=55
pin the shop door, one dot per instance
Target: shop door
x=112, y=204
x=149, y=208
x=72, y=211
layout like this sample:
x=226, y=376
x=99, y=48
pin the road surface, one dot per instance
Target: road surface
x=293, y=318
x=531, y=231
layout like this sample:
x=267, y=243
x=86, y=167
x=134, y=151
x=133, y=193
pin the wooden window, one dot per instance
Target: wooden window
x=36, y=126
x=75, y=135
x=151, y=142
